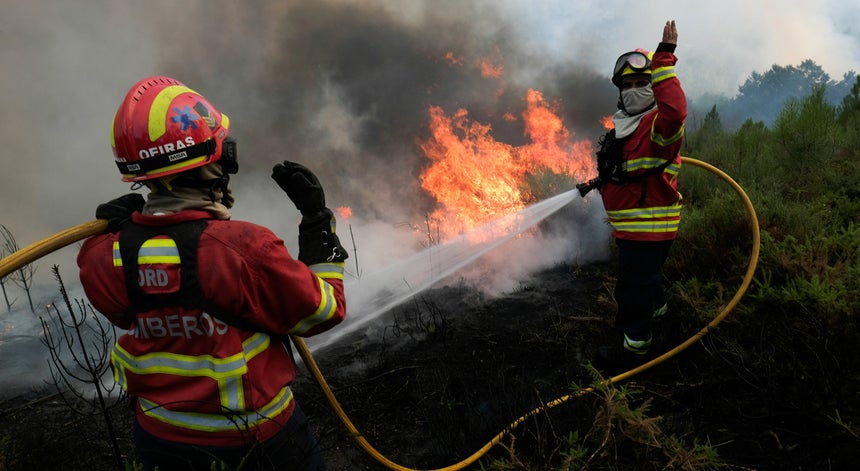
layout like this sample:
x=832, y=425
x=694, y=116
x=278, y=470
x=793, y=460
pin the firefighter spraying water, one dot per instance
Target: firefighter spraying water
x=638, y=164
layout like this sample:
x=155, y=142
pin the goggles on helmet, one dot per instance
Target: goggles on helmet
x=636, y=61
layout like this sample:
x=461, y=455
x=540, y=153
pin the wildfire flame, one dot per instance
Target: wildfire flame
x=453, y=59
x=490, y=70
x=344, y=212
x=476, y=179
x=607, y=123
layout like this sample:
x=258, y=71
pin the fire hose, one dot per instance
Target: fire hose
x=73, y=234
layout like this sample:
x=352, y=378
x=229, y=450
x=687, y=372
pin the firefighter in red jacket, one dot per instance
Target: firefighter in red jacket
x=207, y=302
x=640, y=192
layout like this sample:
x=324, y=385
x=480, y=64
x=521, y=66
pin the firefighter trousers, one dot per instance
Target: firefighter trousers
x=295, y=448
x=639, y=291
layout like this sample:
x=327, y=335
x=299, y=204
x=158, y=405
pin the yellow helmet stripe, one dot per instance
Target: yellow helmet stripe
x=112, y=138
x=158, y=110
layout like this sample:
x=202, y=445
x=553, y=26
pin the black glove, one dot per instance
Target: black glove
x=301, y=186
x=118, y=210
x=318, y=242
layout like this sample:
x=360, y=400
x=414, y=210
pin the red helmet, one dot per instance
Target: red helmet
x=163, y=127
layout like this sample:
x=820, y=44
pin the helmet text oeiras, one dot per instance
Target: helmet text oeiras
x=166, y=148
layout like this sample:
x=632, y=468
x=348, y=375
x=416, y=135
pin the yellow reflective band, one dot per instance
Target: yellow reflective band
x=232, y=394
x=332, y=270
x=118, y=372
x=255, y=344
x=232, y=390
x=180, y=365
x=158, y=251
x=656, y=138
x=645, y=163
x=230, y=385
x=645, y=213
x=230, y=420
x=326, y=309
x=654, y=219
x=152, y=251
x=662, y=73
x=646, y=226
x=158, y=110
x=181, y=165
x=117, y=256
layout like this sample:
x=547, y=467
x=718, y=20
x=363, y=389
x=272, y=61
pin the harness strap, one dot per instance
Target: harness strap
x=186, y=236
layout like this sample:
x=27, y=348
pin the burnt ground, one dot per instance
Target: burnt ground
x=451, y=369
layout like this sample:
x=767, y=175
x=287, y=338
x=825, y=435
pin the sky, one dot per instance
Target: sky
x=344, y=86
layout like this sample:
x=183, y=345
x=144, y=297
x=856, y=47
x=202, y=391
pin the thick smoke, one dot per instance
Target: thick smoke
x=345, y=87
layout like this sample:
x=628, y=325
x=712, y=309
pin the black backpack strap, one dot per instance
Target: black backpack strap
x=186, y=236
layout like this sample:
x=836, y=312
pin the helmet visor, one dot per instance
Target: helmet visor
x=637, y=62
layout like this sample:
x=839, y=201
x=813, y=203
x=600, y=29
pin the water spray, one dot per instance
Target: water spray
x=376, y=292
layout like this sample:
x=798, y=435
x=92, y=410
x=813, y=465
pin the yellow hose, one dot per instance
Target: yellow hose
x=73, y=234
x=39, y=249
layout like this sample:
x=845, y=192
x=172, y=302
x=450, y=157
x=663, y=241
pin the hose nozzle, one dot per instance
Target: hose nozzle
x=585, y=187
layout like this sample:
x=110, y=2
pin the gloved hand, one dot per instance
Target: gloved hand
x=301, y=186
x=118, y=210
x=318, y=242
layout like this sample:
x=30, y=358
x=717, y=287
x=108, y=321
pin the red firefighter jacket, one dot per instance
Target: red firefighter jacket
x=657, y=138
x=198, y=379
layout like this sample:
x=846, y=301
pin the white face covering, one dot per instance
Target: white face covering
x=637, y=99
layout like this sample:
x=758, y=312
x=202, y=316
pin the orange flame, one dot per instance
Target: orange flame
x=344, y=212
x=492, y=68
x=607, y=123
x=454, y=60
x=489, y=70
x=476, y=179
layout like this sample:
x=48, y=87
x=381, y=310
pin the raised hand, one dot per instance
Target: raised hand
x=670, y=33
